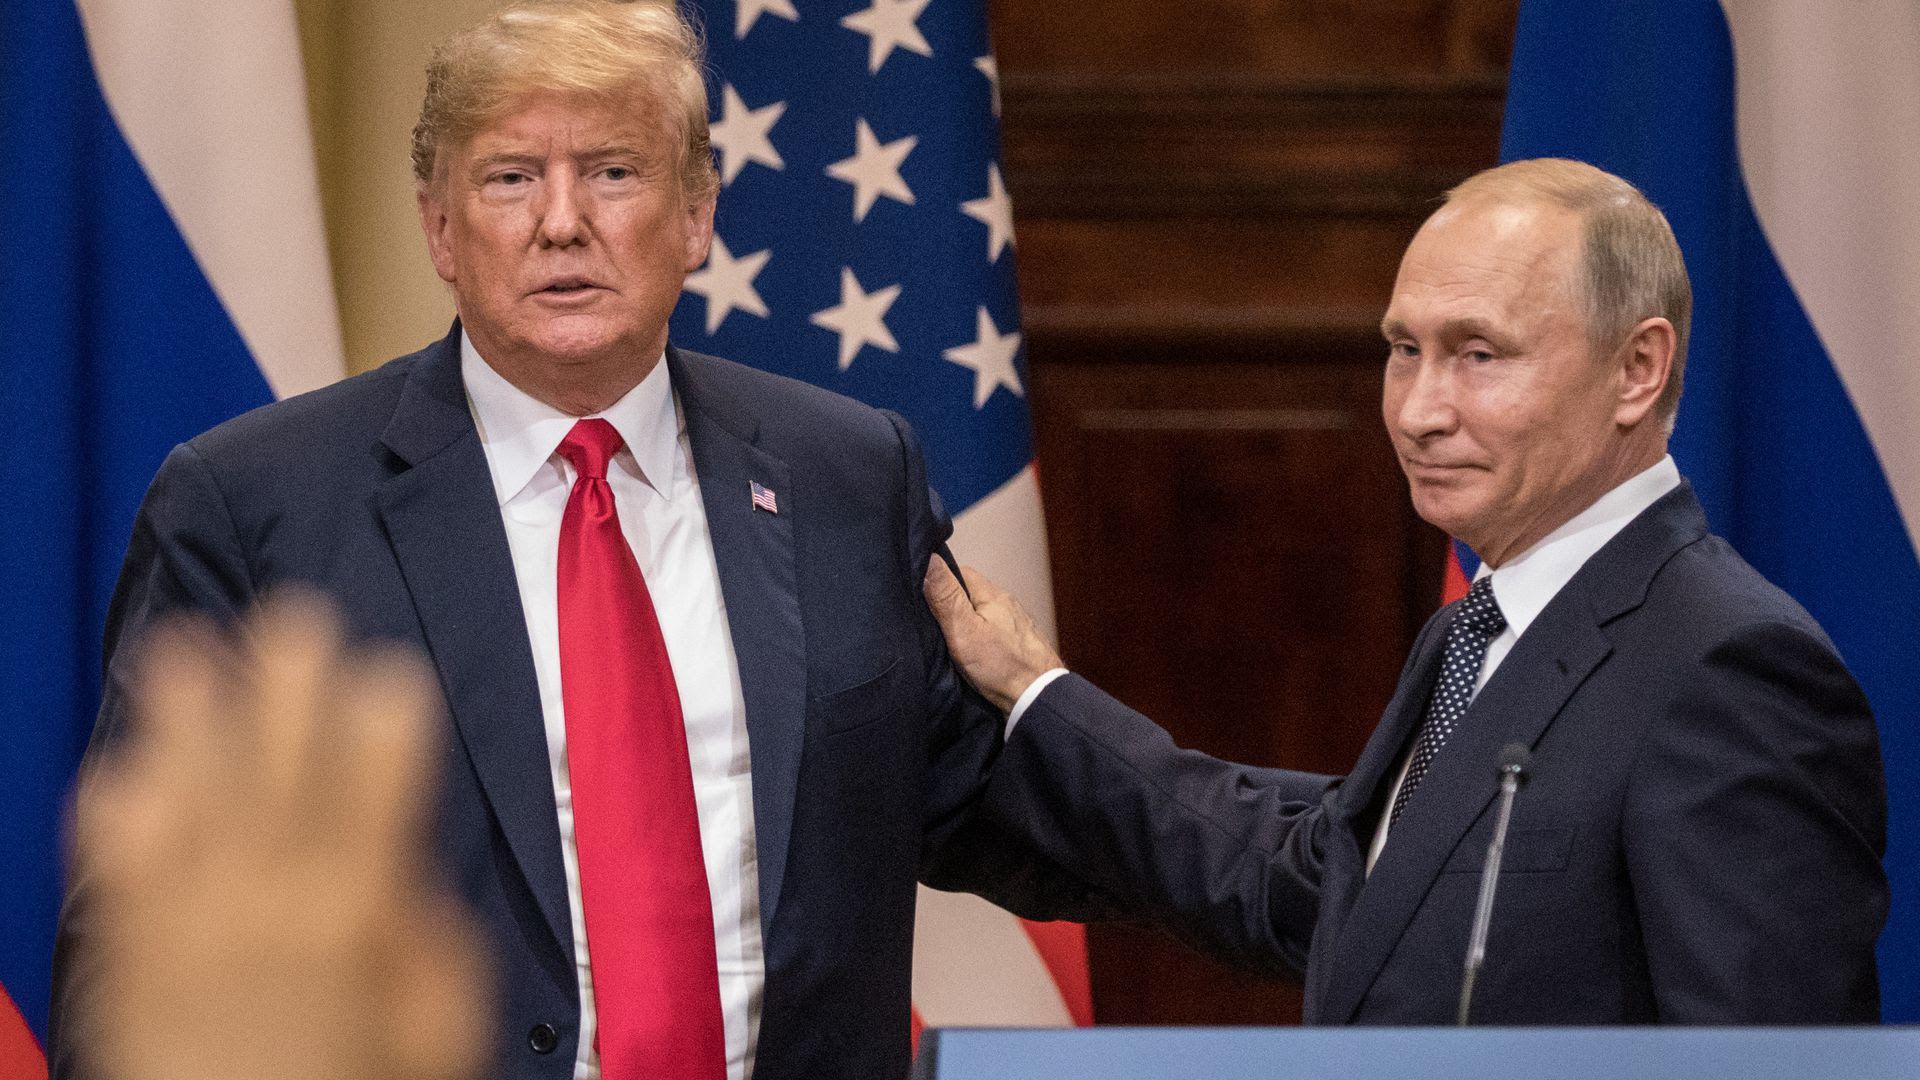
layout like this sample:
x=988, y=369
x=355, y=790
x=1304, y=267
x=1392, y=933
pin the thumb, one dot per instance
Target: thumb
x=944, y=595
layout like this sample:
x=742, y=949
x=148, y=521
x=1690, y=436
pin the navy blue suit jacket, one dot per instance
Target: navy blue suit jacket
x=1700, y=842
x=867, y=751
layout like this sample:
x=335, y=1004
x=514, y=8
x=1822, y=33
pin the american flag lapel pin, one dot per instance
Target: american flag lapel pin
x=763, y=498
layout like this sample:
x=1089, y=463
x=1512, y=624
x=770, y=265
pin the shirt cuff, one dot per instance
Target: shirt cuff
x=1026, y=697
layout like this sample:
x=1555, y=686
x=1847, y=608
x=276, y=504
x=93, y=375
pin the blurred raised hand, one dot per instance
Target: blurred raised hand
x=258, y=852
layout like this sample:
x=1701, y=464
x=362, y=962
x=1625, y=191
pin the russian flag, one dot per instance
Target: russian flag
x=1782, y=139
x=162, y=268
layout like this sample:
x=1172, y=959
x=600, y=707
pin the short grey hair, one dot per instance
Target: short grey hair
x=1633, y=269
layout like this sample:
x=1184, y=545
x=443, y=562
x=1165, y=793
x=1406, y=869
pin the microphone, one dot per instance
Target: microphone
x=1514, y=761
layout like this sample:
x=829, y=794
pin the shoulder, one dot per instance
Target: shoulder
x=351, y=412
x=1732, y=654
x=329, y=446
x=785, y=411
x=1707, y=591
x=1668, y=582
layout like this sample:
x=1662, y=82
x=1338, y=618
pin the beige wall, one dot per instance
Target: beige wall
x=365, y=62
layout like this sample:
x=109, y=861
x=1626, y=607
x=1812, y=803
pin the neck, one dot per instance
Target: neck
x=577, y=386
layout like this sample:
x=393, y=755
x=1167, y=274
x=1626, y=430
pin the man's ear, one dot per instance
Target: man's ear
x=1646, y=363
x=699, y=231
x=435, y=223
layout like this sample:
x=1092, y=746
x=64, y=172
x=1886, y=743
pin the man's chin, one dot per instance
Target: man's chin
x=581, y=339
x=1447, y=507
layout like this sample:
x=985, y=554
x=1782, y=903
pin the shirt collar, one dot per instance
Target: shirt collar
x=520, y=433
x=1530, y=580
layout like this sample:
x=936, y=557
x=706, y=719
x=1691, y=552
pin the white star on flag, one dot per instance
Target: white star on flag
x=727, y=283
x=889, y=24
x=861, y=317
x=991, y=69
x=749, y=11
x=995, y=212
x=741, y=134
x=991, y=358
x=874, y=169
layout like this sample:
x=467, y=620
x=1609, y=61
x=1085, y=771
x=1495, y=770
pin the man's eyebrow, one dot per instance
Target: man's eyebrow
x=503, y=157
x=1452, y=329
x=609, y=149
x=1466, y=328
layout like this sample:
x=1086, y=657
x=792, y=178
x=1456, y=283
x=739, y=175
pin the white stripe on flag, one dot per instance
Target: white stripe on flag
x=975, y=966
x=1005, y=538
x=1828, y=105
x=210, y=96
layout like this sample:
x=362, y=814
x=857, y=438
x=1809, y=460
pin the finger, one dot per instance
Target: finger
x=295, y=653
x=995, y=604
x=982, y=588
x=944, y=594
x=121, y=833
x=177, y=765
x=388, y=730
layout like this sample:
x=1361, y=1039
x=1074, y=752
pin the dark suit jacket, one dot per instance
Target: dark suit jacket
x=866, y=751
x=1700, y=842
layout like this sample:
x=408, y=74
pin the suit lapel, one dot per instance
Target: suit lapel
x=1535, y=680
x=1550, y=661
x=760, y=584
x=1381, y=757
x=443, y=521
x=1379, y=760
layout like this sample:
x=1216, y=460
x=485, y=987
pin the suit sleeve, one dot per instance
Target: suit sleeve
x=1755, y=824
x=961, y=850
x=1228, y=857
x=184, y=556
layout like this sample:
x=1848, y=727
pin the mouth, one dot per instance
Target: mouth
x=1433, y=469
x=567, y=286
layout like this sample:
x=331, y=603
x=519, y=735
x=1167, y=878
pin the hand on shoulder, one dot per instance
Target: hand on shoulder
x=991, y=637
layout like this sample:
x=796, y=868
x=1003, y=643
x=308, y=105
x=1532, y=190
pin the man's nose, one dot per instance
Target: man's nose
x=1425, y=406
x=563, y=213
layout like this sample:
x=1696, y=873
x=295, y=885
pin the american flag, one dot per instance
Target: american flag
x=763, y=497
x=864, y=242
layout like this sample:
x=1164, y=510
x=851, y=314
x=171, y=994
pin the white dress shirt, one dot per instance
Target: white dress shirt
x=1529, y=581
x=661, y=515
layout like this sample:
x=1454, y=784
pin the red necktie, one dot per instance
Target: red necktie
x=643, y=883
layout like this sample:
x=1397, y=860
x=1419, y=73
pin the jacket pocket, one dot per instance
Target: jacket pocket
x=858, y=705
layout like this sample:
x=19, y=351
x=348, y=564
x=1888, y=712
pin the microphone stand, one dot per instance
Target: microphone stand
x=1514, y=760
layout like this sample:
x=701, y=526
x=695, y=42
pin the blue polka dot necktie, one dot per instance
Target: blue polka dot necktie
x=1477, y=622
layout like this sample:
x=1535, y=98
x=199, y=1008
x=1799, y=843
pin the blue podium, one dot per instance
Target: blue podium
x=1867, y=1053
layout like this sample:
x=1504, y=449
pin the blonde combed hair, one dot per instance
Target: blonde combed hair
x=615, y=50
x=1631, y=263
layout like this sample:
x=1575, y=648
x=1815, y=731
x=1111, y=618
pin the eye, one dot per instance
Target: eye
x=1403, y=350
x=512, y=177
x=1480, y=356
x=617, y=172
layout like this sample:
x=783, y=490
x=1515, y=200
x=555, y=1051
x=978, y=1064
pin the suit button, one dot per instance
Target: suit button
x=543, y=1038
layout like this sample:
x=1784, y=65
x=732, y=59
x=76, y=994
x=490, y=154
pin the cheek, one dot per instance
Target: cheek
x=1497, y=416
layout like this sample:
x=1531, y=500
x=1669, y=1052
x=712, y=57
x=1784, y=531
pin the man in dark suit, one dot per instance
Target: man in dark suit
x=704, y=733
x=1701, y=838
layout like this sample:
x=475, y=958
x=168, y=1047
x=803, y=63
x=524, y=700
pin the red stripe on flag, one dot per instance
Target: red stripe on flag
x=20, y=1056
x=1454, y=585
x=1063, y=947
x=916, y=1026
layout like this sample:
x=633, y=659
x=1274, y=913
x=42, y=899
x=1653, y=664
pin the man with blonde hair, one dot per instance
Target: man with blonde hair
x=1700, y=840
x=704, y=734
